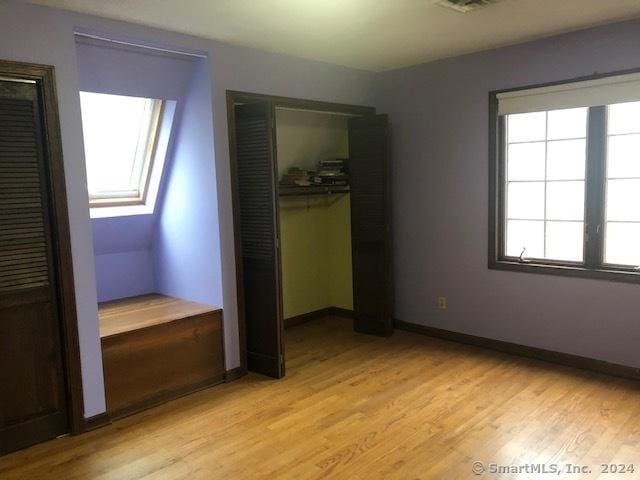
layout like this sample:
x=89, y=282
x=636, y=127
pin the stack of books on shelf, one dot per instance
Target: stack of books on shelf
x=332, y=172
x=296, y=177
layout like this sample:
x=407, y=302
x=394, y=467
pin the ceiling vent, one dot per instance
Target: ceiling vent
x=464, y=6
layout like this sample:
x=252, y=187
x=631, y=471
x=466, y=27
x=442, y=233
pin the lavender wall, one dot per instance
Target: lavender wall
x=36, y=34
x=439, y=141
x=126, y=274
x=187, y=248
x=122, y=247
x=122, y=70
x=122, y=234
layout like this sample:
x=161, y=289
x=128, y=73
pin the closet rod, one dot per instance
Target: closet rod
x=138, y=45
x=17, y=80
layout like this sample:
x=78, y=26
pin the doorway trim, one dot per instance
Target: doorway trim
x=44, y=77
x=237, y=97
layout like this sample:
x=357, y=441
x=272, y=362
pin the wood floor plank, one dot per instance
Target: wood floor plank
x=360, y=407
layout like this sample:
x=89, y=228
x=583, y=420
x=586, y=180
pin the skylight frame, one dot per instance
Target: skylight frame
x=143, y=162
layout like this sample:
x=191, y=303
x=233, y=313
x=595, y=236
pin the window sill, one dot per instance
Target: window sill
x=121, y=211
x=566, y=271
x=116, y=202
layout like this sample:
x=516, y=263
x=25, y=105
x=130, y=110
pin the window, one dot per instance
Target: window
x=622, y=214
x=545, y=183
x=565, y=179
x=120, y=137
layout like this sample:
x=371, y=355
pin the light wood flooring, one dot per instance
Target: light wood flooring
x=360, y=407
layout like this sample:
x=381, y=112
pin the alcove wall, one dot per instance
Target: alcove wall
x=175, y=249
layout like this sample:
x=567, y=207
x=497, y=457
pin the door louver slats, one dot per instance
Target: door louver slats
x=368, y=168
x=254, y=181
x=23, y=249
x=34, y=263
x=258, y=230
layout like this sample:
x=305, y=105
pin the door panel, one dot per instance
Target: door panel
x=33, y=344
x=370, y=225
x=258, y=219
x=33, y=406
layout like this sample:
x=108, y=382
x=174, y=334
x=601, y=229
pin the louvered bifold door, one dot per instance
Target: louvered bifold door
x=258, y=219
x=32, y=401
x=370, y=225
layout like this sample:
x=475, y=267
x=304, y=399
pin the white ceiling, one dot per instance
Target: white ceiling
x=368, y=34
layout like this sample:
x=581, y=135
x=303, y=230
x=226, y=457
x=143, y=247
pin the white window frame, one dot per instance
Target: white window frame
x=145, y=157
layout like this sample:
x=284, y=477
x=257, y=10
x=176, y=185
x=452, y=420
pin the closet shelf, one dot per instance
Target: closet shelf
x=288, y=191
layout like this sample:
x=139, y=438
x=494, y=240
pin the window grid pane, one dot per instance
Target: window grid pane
x=621, y=243
x=545, y=198
x=622, y=184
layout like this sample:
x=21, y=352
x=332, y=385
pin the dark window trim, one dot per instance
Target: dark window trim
x=593, y=266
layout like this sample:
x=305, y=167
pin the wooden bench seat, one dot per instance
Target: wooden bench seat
x=155, y=348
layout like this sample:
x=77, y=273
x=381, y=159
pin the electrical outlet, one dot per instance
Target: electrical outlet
x=441, y=303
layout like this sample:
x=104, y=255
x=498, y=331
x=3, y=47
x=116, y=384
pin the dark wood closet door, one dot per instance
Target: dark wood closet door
x=33, y=405
x=370, y=225
x=259, y=250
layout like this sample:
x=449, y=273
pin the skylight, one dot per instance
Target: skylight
x=120, y=137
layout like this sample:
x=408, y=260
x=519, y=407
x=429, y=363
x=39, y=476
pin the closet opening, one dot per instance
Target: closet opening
x=314, y=204
x=151, y=182
x=312, y=219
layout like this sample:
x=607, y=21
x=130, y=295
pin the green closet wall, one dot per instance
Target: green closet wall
x=315, y=231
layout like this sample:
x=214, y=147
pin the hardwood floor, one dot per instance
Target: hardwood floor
x=360, y=407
